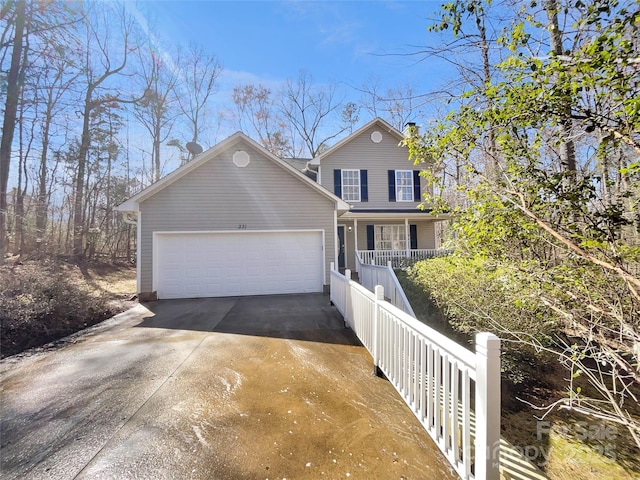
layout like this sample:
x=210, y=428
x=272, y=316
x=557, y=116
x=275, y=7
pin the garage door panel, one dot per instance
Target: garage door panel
x=243, y=263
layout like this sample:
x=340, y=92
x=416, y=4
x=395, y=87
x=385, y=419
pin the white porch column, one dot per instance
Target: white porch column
x=336, y=243
x=355, y=244
x=355, y=233
x=406, y=236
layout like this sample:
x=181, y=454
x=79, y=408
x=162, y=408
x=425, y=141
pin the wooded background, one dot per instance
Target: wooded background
x=95, y=109
x=533, y=145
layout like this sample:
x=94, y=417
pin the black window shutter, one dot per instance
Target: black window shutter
x=413, y=234
x=370, y=238
x=364, y=187
x=337, y=182
x=417, y=194
x=392, y=185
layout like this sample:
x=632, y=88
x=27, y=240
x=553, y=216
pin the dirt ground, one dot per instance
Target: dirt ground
x=43, y=301
x=118, y=282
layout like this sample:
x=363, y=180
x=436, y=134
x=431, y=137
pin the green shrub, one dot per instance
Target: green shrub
x=475, y=296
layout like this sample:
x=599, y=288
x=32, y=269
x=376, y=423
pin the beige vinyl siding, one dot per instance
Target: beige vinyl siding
x=377, y=158
x=220, y=196
x=426, y=234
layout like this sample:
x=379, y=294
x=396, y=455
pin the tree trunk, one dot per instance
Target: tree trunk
x=42, y=201
x=567, y=147
x=493, y=166
x=21, y=191
x=78, y=209
x=9, y=122
x=19, y=219
x=156, y=151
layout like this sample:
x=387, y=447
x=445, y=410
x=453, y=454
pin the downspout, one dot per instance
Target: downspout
x=126, y=218
x=314, y=171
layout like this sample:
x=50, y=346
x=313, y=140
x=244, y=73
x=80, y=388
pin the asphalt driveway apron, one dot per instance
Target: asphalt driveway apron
x=230, y=388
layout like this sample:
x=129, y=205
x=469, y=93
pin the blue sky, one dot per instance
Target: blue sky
x=343, y=43
x=346, y=43
x=268, y=42
x=339, y=41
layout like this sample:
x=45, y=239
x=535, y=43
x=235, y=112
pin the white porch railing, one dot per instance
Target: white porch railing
x=399, y=257
x=372, y=275
x=453, y=392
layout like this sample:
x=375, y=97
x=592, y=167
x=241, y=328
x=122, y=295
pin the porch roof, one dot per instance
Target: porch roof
x=399, y=214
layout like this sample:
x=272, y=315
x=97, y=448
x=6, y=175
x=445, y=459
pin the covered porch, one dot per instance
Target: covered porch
x=377, y=237
x=397, y=257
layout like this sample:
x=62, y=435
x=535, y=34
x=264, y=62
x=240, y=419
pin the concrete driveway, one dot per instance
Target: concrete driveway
x=230, y=388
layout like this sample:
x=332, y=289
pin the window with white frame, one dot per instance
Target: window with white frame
x=390, y=237
x=351, y=185
x=404, y=186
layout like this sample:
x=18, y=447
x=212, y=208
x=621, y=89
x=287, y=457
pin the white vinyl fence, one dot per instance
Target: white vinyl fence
x=372, y=275
x=399, y=257
x=454, y=393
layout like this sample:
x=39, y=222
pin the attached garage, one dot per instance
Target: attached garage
x=220, y=264
x=236, y=220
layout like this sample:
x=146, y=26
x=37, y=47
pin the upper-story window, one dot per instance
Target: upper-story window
x=404, y=185
x=351, y=185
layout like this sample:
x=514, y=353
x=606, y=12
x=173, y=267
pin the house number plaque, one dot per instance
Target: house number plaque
x=242, y=226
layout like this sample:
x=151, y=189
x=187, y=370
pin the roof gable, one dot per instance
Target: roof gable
x=375, y=122
x=234, y=140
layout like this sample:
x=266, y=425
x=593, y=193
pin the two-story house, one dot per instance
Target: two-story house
x=371, y=172
x=237, y=220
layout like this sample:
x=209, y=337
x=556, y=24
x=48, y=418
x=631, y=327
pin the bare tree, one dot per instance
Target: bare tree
x=398, y=104
x=567, y=148
x=10, y=112
x=157, y=111
x=199, y=74
x=52, y=83
x=350, y=115
x=468, y=42
x=256, y=114
x=105, y=60
x=310, y=110
x=25, y=141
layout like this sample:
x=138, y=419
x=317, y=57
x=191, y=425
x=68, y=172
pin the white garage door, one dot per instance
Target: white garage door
x=220, y=264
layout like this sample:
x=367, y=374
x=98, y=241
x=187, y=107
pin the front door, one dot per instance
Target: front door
x=341, y=263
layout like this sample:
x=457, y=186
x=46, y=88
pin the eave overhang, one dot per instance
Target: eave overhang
x=133, y=203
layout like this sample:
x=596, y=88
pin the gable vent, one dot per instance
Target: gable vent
x=241, y=159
